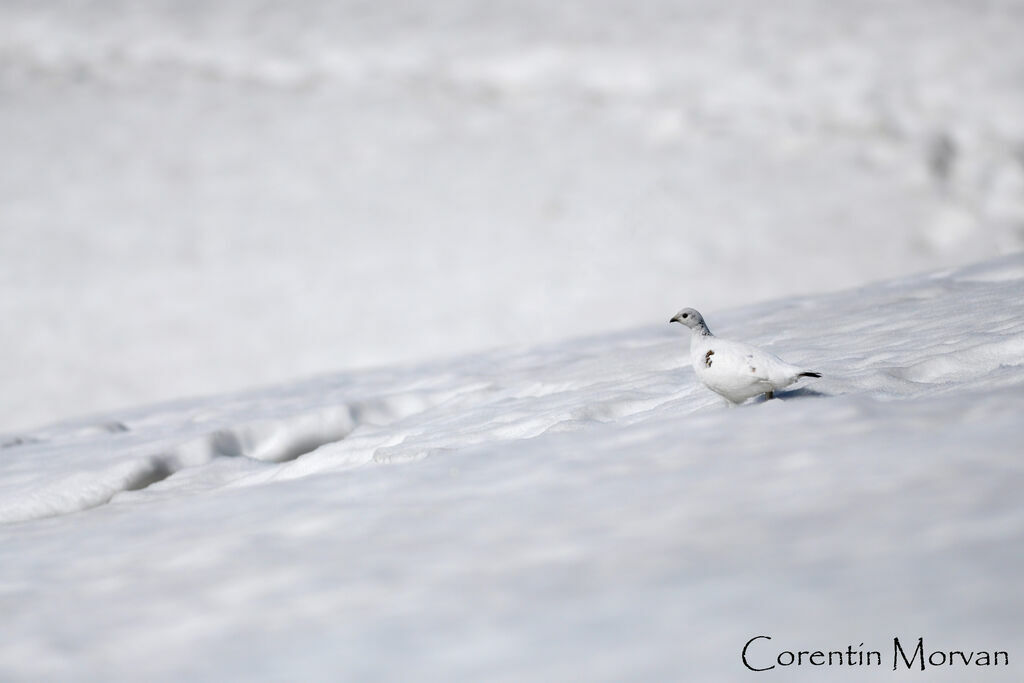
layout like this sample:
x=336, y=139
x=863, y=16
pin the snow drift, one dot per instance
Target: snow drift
x=583, y=510
x=204, y=197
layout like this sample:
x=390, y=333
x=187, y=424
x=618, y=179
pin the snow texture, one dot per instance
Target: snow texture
x=583, y=510
x=202, y=197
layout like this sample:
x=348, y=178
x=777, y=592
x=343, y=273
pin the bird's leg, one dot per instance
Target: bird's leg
x=768, y=395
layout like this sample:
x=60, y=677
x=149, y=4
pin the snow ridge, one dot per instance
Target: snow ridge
x=915, y=350
x=585, y=501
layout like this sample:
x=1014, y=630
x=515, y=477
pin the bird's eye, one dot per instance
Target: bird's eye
x=686, y=315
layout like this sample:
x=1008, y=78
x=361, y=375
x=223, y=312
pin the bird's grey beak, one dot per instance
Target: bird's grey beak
x=675, y=319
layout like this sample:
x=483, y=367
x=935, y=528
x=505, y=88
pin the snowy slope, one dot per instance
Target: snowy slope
x=577, y=511
x=209, y=196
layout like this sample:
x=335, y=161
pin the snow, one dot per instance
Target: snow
x=580, y=510
x=206, y=197
x=334, y=340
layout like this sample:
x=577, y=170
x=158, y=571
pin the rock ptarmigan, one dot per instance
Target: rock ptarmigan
x=735, y=370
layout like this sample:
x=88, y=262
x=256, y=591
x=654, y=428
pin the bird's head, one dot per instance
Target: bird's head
x=689, y=317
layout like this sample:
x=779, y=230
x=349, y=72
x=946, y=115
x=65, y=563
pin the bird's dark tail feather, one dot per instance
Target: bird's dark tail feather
x=809, y=374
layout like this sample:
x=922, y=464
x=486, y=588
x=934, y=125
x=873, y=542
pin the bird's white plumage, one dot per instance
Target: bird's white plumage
x=734, y=370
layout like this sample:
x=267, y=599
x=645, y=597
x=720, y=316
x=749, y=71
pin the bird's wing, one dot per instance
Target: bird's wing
x=741, y=360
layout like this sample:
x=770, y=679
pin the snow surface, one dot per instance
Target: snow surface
x=583, y=510
x=201, y=197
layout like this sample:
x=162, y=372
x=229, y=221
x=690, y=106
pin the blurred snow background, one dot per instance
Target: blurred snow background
x=204, y=196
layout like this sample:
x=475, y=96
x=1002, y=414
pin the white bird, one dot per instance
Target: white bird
x=735, y=370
